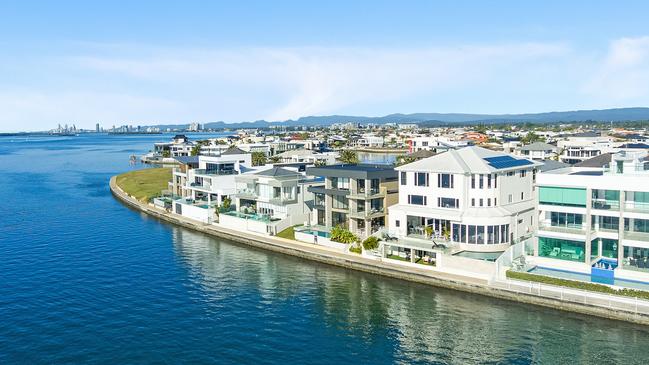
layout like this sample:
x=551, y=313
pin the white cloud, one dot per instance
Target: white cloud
x=623, y=75
x=156, y=85
x=307, y=81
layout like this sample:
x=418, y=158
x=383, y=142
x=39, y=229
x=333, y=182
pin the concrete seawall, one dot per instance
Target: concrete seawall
x=333, y=257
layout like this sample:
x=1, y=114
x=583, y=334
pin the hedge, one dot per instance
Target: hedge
x=578, y=284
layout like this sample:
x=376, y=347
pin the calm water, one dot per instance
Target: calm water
x=85, y=279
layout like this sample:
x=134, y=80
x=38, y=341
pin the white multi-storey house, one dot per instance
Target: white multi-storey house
x=472, y=198
x=435, y=144
x=582, y=146
x=269, y=201
x=595, y=213
x=213, y=179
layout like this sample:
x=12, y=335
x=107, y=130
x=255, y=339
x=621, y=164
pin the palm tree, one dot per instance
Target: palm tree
x=348, y=156
x=258, y=158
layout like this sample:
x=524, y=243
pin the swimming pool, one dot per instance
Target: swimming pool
x=571, y=275
x=318, y=233
x=486, y=256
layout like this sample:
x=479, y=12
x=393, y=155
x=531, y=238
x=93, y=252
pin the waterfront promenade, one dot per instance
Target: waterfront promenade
x=613, y=307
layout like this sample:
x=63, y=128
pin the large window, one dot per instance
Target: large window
x=340, y=202
x=607, y=223
x=637, y=200
x=571, y=197
x=491, y=235
x=339, y=219
x=636, y=258
x=562, y=249
x=340, y=183
x=638, y=225
x=445, y=181
x=448, y=203
x=569, y=220
x=606, y=199
x=609, y=248
x=421, y=178
x=416, y=199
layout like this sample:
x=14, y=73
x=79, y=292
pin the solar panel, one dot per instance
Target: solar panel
x=504, y=162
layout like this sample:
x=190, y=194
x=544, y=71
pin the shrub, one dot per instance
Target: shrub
x=371, y=243
x=339, y=234
x=577, y=284
x=355, y=249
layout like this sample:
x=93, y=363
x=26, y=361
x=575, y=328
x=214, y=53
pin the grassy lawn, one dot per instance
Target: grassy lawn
x=577, y=284
x=397, y=257
x=288, y=233
x=146, y=183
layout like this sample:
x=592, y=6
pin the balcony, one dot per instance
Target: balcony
x=636, y=236
x=215, y=172
x=570, y=229
x=636, y=207
x=367, y=193
x=247, y=194
x=367, y=214
x=283, y=200
x=203, y=186
x=604, y=204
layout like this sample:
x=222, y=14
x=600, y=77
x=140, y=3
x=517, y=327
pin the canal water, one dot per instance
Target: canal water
x=85, y=279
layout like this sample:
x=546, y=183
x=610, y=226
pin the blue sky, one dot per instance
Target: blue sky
x=176, y=62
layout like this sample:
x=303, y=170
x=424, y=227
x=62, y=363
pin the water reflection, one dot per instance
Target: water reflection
x=411, y=323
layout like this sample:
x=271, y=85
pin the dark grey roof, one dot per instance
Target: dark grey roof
x=588, y=173
x=597, y=161
x=187, y=160
x=584, y=134
x=634, y=145
x=357, y=171
x=538, y=146
x=634, y=136
x=233, y=151
x=421, y=154
x=552, y=165
x=277, y=171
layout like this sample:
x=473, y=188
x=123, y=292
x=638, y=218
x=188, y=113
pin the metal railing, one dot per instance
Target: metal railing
x=609, y=301
x=215, y=172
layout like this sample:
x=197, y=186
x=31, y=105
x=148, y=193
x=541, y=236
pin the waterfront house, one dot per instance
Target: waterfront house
x=472, y=198
x=596, y=210
x=269, y=201
x=205, y=181
x=355, y=197
x=179, y=146
x=308, y=156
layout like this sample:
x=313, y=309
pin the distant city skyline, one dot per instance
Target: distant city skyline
x=168, y=63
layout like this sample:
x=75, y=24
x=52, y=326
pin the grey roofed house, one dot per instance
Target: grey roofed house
x=597, y=161
x=539, y=146
x=234, y=151
x=590, y=134
x=187, y=160
x=552, y=165
x=277, y=171
x=356, y=171
x=421, y=154
x=635, y=145
x=470, y=160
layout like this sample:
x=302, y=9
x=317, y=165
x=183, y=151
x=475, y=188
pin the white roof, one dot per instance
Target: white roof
x=464, y=160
